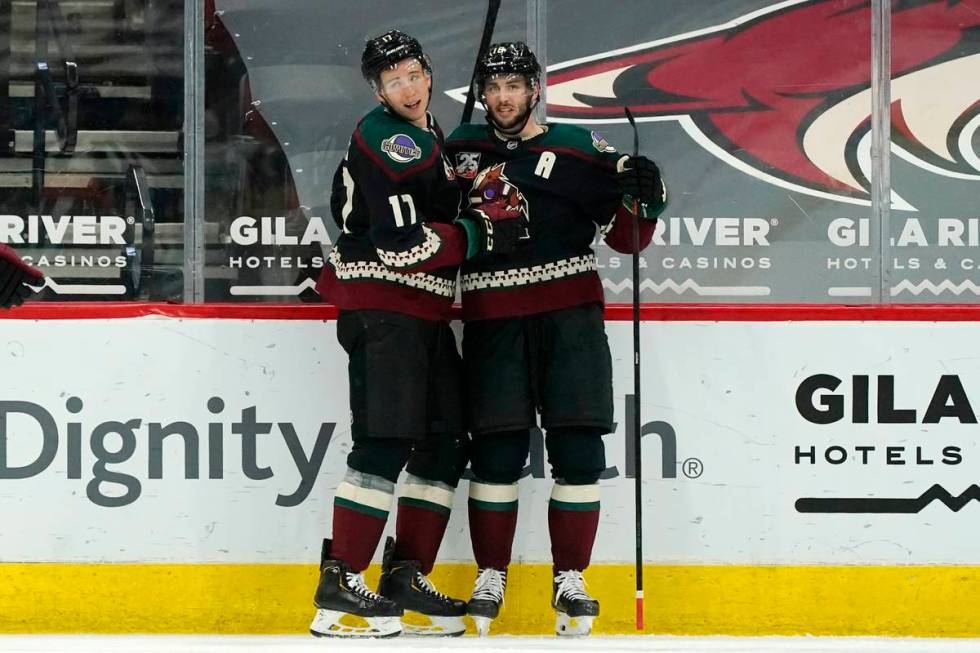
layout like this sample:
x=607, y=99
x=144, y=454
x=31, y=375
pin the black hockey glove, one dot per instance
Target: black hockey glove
x=493, y=228
x=14, y=275
x=639, y=177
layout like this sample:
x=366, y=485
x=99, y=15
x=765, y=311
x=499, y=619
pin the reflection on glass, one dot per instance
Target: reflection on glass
x=935, y=168
x=91, y=181
x=261, y=244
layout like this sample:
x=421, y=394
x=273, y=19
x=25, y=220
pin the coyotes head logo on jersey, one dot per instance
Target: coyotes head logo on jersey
x=492, y=185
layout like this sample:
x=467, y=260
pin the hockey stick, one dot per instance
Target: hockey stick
x=492, y=8
x=637, y=422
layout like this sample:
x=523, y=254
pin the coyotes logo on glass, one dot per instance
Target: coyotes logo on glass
x=784, y=93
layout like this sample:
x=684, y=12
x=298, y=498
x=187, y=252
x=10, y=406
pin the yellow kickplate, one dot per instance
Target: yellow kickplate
x=353, y=621
x=416, y=619
x=680, y=600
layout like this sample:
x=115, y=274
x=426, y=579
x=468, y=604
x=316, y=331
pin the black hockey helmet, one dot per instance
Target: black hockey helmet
x=387, y=50
x=508, y=59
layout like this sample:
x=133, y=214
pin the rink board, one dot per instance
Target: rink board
x=936, y=601
x=799, y=476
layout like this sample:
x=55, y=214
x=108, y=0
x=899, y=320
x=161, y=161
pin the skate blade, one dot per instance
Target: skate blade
x=417, y=624
x=573, y=626
x=482, y=625
x=333, y=623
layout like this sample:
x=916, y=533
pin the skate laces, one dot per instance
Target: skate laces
x=356, y=584
x=490, y=585
x=571, y=585
x=426, y=585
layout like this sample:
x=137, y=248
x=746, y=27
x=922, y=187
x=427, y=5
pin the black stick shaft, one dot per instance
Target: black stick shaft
x=637, y=421
x=488, y=25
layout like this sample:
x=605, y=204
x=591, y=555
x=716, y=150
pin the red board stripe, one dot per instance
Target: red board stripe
x=614, y=312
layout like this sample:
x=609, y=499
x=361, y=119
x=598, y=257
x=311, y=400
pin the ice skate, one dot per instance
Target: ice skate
x=347, y=608
x=575, y=608
x=428, y=612
x=488, y=596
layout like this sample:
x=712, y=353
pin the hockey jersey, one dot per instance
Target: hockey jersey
x=394, y=198
x=564, y=181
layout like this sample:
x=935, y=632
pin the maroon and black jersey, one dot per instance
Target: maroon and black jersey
x=564, y=181
x=394, y=198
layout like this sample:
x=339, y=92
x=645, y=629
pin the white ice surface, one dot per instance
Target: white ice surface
x=658, y=644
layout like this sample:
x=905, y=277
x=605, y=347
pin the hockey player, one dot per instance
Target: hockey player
x=15, y=275
x=534, y=339
x=393, y=274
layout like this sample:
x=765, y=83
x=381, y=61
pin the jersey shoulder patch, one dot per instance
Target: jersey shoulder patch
x=466, y=146
x=601, y=144
x=586, y=143
x=393, y=143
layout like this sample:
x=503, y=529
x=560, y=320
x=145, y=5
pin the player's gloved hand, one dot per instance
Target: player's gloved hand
x=491, y=228
x=14, y=275
x=639, y=177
